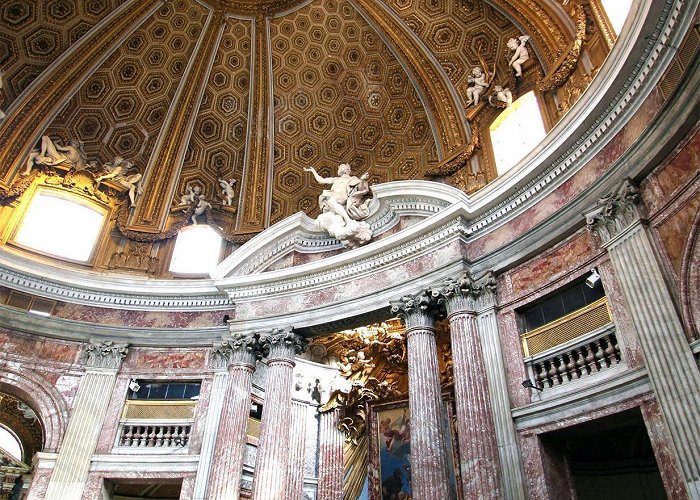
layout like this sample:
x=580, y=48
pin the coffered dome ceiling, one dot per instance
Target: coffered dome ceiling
x=255, y=90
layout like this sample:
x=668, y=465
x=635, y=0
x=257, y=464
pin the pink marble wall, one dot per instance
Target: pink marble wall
x=110, y=426
x=666, y=459
x=165, y=360
x=153, y=319
x=95, y=481
x=38, y=349
x=339, y=293
x=40, y=481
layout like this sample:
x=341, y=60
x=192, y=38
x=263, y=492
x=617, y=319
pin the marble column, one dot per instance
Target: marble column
x=672, y=371
x=270, y=480
x=428, y=450
x=102, y=361
x=479, y=458
x=330, y=457
x=297, y=449
x=239, y=354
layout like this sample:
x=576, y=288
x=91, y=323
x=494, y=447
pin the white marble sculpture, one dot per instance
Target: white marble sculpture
x=227, y=191
x=191, y=195
x=344, y=206
x=479, y=84
x=202, y=206
x=501, y=95
x=126, y=175
x=71, y=156
x=520, y=54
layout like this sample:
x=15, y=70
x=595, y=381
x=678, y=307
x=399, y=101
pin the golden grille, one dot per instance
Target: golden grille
x=253, y=427
x=567, y=328
x=159, y=410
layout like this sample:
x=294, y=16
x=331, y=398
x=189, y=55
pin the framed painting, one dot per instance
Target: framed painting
x=390, y=451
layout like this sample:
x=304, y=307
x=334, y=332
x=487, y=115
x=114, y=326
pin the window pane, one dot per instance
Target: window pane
x=534, y=318
x=593, y=294
x=60, y=227
x=552, y=309
x=142, y=393
x=196, y=251
x=516, y=131
x=573, y=299
x=192, y=390
x=175, y=391
x=617, y=11
x=157, y=391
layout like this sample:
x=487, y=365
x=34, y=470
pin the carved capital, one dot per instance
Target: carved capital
x=243, y=349
x=282, y=343
x=467, y=293
x=104, y=354
x=420, y=310
x=615, y=212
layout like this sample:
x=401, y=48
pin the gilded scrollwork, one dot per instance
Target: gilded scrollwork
x=566, y=64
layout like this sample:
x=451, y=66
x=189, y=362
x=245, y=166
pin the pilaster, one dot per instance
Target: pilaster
x=617, y=219
x=102, y=361
x=279, y=347
x=428, y=439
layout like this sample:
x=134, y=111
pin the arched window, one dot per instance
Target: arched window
x=516, y=131
x=617, y=12
x=61, y=226
x=197, y=250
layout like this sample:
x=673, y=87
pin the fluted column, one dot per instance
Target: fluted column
x=330, y=457
x=270, y=481
x=239, y=354
x=102, y=361
x=428, y=450
x=479, y=461
x=672, y=371
x=297, y=449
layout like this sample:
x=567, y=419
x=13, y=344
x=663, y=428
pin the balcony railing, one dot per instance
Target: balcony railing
x=566, y=328
x=586, y=355
x=151, y=424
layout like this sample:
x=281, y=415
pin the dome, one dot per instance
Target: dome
x=244, y=233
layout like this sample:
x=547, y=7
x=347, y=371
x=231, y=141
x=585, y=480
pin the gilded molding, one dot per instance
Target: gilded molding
x=29, y=115
x=254, y=214
x=436, y=91
x=459, y=160
x=566, y=65
x=166, y=160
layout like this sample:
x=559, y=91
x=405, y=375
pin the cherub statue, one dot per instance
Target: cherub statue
x=520, y=54
x=227, y=191
x=344, y=206
x=191, y=195
x=478, y=79
x=202, y=206
x=501, y=95
x=126, y=175
x=70, y=156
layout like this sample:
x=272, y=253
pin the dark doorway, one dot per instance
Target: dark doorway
x=607, y=458
x=127, y=489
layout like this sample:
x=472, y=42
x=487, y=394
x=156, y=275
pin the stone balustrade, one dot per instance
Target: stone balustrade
x=155, y=435
x=586, y=355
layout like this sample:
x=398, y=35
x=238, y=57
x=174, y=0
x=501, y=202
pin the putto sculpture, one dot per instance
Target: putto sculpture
x=227, y=191
x=344, y=206
x=126, y=175
x=501, y=97
x=520, y=53
x=478, y=86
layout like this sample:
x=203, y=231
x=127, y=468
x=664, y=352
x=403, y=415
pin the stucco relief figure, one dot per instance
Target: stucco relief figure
x=126, y=175
x=500, y=97
x=520, y=54
x=344, y=206
x=227, y=191
x=479, y=84
x=71, y=156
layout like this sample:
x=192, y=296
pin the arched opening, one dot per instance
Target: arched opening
x=197, y=250
x=21, y=436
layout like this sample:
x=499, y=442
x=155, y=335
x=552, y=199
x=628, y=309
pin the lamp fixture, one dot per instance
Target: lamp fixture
x=593, y=278
x=529, y=384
